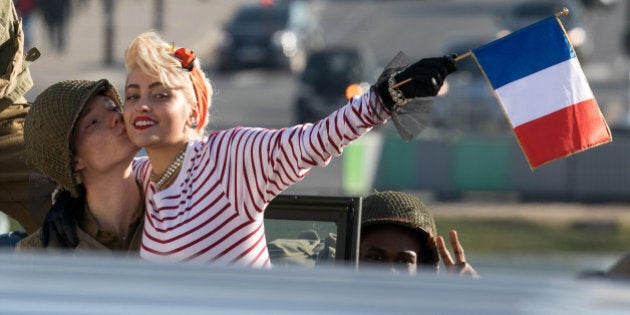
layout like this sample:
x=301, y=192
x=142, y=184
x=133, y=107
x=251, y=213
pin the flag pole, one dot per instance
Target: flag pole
x=462, y=56
x=467, y=54
x=564, y=11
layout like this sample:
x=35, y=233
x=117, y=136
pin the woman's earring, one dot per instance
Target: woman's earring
x=193, y=124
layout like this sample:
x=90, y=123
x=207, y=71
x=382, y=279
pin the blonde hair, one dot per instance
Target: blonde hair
x=155, y=57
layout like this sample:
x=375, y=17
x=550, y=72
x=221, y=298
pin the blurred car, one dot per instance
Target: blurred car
x=276, y=35
x=607, y=4
x=466, y=101
x=524, y=13
x=331, y=77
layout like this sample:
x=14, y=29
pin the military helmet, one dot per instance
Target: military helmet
x=405, y=210
x=50, y=123
x=397, y=208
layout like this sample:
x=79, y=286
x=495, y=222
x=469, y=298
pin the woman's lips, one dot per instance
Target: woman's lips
x=141, y=123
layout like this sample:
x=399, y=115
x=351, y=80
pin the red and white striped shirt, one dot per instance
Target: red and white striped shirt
x=213, y=212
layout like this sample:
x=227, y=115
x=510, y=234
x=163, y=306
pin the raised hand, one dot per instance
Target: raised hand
x=458, y=266
x=421, y=79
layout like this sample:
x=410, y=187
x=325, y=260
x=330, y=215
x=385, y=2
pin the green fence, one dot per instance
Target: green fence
x=453, y=165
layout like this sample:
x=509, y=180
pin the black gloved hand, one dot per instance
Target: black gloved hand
x=427, y=77
x=60, y=221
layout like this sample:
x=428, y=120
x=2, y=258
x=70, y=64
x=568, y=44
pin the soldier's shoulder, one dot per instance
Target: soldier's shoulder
x=31, y=241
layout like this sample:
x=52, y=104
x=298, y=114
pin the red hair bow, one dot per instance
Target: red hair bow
x=201, y=91
x=186, y=56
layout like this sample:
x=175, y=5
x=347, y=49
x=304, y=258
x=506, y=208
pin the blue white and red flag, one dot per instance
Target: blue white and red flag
x=544, y=93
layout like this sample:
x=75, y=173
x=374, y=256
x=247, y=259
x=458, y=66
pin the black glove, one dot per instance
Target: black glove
x=60, y=221
x=427, y=77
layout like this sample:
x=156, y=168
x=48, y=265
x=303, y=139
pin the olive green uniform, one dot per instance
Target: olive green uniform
x=91, y=238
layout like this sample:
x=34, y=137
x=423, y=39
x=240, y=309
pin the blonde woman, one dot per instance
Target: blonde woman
x=206, y=195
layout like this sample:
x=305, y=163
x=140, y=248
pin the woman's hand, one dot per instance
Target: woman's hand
x=423, y=78
x=459, y=266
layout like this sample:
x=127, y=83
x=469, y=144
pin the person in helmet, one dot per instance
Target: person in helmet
x=75, y=134
x=398, y=231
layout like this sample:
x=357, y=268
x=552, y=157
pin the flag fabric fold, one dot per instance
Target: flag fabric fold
x=544, y=93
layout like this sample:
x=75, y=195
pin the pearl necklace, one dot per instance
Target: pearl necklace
x=170, y=170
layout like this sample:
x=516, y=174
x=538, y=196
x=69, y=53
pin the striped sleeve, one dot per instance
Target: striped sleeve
x=261, y=163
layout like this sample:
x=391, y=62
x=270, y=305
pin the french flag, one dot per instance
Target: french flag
x=540, y=84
